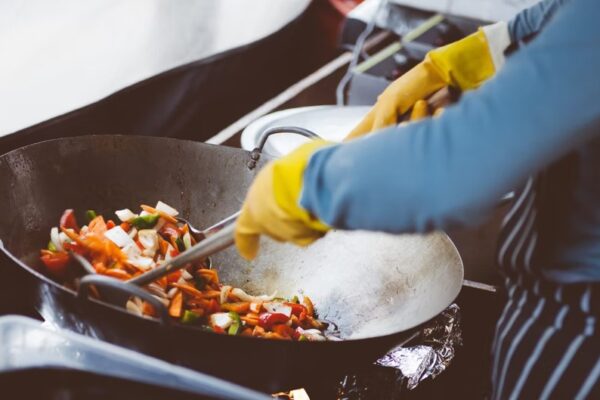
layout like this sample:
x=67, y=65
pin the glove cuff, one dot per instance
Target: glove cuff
x=498, y=39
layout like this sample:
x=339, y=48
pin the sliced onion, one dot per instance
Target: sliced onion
x=133, y=308
x=239, y=293
x=125, y=215
x=168, y=256
x=55, y=239
x=255, y=307
x=222, y=320
x=187, y=240
x=132, y=250
x=186, y=275
x=132, y=233
x=167, y=209
x=172, y=292
x=278, y=308
x=63, y=238
x=162, y=300
x=157, y=290
x=161, y=222
x=225, y=290
x=141, y=262
x=138, y=302
x=118, y=236
x=148, y=238
x=314, y=335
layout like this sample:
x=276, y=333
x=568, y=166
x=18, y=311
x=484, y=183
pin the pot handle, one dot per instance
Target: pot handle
x=256, y=152
x=122, y=289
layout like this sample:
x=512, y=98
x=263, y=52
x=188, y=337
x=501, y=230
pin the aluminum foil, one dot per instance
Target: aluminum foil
x=404, y=367
x=433, y=356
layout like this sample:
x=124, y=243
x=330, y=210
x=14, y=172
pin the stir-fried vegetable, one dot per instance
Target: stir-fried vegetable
x=193, y=295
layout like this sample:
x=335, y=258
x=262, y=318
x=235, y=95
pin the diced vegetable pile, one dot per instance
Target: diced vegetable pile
x=137, y=243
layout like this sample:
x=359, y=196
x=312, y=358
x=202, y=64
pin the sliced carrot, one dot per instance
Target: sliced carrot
x=246, y=332
x=188, y=289
x=258, y=331
x=110, y=224
x=209, y=274
x=273, y=335
x=211, y=294
x=283, y=330
x=97, y=225
x=163, y=246
x=250, y=321
x=99, y=266
x=163, y=215
x=239, y=308
x=126, y=226
x=147, y=309
x=310, y=308
x=197, y=302
x=117, y=273
x=174, y=276
x=176, y=305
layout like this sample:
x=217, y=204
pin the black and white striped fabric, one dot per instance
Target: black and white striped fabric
x=547, y=343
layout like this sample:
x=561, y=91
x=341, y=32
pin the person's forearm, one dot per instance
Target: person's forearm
x=452, y=170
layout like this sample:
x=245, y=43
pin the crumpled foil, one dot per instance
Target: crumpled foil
x=404, y=367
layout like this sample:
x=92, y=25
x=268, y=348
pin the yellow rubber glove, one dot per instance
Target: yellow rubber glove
x=272, y=205
x=464, y=64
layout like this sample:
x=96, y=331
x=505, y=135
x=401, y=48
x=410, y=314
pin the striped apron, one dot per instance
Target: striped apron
x=547, y=342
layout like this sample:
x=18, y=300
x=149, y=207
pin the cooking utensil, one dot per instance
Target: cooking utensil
x=203, y=234
x=377, y=288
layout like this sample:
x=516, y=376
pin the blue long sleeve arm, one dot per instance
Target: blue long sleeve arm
x=533, y=19
x=452, y=170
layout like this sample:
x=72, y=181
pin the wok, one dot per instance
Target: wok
x=376, y=287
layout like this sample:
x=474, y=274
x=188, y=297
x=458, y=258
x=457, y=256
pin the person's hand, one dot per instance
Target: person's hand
x=272, y=205
x=465, y=65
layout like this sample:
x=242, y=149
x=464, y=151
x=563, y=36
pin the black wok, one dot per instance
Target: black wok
x=375, y=287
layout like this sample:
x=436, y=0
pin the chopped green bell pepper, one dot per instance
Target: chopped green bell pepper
x=52, y=247
x=145, y=221
x=236, y=325
x=180, y=245
x=90, y=215
x=189, y=317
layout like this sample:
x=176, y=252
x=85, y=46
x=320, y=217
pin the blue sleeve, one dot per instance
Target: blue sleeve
x=452, y=170
x=533, y=19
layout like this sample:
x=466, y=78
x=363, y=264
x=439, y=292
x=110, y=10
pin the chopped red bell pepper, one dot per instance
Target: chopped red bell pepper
x=56, y=262
x=174, y=276
x=75, y=247
x=68, y=220
x=267, y=320
x=110, y=224
x=218, y=329
x=170, y=230
x=297, y=309
x=213, y=306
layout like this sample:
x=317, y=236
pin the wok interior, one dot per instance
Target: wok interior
x=369, y=284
